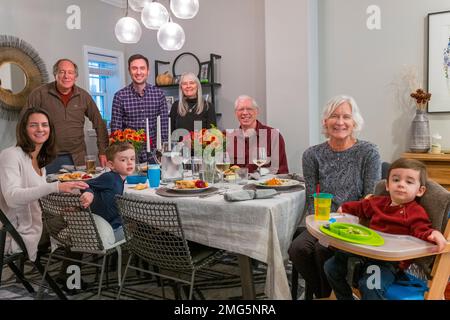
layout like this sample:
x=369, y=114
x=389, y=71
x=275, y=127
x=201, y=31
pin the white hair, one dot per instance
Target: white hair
x=245, y=97
x=333, y=104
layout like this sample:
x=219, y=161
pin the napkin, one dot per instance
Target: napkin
x=242, y=195
x=265, y=193
x=239, y=195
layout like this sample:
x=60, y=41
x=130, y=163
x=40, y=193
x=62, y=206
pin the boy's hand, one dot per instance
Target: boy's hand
x=368, y=196
x=439, y=239
x=86, y=199
x=339, y=210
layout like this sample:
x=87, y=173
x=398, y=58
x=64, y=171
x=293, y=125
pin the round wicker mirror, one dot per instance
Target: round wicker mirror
x=14, y=51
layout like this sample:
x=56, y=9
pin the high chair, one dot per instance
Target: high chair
x=436, y=202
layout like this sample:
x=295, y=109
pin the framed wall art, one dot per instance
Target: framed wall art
x=439, y=61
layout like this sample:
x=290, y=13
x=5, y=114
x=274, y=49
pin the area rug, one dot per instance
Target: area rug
x=220, y=281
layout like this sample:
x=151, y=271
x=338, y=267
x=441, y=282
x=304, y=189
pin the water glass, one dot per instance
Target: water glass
x=196, y=165
x=154, y=175
x=242, y=175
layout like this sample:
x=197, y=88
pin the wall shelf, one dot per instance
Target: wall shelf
x=206, y=72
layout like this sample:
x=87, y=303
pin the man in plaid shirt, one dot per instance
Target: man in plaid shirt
x=138, y=101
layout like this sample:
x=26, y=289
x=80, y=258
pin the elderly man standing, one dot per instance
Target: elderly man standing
x=68, y=105
x=253, y=135
x=139, y=101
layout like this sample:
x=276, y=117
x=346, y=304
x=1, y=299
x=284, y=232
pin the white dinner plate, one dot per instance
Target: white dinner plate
x=286, y=183
x=189, y=190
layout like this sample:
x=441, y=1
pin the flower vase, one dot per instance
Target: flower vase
x=420, y=133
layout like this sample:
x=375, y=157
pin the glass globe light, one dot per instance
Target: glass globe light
x=171, y=36
x=128, y=30
x=138, y=5
x=184, y=9
x=154, y=15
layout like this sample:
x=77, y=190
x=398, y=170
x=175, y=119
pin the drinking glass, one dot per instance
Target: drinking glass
x=185, y=159
x=223, y=164
x=90, y=164
x=196, y=164
x=260, y=158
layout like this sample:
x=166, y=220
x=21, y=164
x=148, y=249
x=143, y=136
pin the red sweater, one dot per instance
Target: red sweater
x=407, y=219
x=240, y=158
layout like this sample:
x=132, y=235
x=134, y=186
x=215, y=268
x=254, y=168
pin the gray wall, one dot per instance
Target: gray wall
x=372, y=65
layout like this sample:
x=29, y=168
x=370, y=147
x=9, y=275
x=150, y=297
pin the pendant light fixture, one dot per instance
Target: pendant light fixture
x=184, y=9
x=171, y=36
x=127, y=29
x=138, y=5
x=154, y=15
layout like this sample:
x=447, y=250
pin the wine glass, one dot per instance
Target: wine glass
x=185, y=159
x=260, y=158
x=223, y=164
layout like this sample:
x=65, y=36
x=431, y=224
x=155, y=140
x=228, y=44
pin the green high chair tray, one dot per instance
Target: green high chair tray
x=354, y=233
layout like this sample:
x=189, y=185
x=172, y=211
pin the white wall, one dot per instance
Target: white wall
x=289, y=85
x=370, y=65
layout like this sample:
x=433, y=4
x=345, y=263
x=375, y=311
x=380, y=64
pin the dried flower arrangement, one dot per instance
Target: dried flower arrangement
x=422, y=99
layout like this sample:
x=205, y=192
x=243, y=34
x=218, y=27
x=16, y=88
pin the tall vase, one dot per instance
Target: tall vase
x=420, y=133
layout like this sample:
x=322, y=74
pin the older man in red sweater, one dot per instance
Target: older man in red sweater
x=252, y=135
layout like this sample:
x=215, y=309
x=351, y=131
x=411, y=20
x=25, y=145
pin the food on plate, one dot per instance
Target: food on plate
x=140, y=186
x=190, y=184
x=74, y=176
x=274, y=182
x=231, y=171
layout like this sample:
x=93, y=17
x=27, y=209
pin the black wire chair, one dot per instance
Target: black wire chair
x=154, y=233
x=73, y=228
x=10, y=258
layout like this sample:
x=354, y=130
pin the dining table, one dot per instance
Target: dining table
x=260, y=229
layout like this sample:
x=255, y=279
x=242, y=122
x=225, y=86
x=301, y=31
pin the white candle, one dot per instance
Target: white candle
x=158, y=133
x=168, y=136
x=147, y=132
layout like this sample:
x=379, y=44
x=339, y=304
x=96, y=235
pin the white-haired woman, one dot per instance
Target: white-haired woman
x=191, y=106
x=344, y=166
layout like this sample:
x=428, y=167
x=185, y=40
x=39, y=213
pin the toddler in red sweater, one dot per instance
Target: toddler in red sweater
x=398, y=213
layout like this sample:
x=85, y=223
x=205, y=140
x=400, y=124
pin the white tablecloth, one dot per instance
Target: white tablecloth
x=261, y=229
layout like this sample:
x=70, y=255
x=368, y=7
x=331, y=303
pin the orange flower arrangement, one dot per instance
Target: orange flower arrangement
x=136, y=138
x=422, y=98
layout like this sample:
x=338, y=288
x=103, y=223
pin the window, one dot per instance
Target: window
x=104, y=77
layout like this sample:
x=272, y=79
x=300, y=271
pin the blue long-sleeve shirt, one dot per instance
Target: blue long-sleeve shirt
x=105, y=187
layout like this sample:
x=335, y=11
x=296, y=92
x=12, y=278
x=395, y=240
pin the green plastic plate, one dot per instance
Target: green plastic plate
x=354, y=233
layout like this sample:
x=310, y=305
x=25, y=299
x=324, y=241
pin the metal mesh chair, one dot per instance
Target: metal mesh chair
x=10, y=259
x=73, y=228
x=154, y=233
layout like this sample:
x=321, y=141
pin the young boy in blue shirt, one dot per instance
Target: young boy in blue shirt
x=121, y=159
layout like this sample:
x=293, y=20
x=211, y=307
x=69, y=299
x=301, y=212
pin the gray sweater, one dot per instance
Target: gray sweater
x=349, y=175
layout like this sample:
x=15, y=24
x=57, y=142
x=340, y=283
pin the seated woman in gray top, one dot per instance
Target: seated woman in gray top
x=344, y=166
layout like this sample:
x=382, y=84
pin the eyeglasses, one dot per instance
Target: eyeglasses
x=68, y=72
x=246, y=109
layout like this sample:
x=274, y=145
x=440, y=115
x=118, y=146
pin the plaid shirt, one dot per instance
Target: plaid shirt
x=129, y=110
